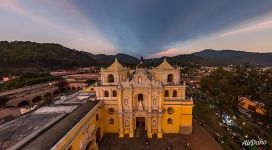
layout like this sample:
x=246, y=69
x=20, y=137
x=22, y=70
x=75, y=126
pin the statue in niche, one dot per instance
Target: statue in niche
x=139, y=79
x=140, y=106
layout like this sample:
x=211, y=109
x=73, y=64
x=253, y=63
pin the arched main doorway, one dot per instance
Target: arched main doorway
x=140, y=127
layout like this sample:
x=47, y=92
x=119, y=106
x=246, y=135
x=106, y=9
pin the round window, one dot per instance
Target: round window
x=170, y=110
x=110, y=111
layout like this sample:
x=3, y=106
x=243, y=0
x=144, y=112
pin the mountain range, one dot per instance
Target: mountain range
x=20, y=56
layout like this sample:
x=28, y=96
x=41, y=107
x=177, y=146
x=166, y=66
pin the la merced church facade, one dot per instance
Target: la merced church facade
x=151, y=99
x=126, y=102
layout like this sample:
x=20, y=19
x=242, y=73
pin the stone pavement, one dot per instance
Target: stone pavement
x=199, y=140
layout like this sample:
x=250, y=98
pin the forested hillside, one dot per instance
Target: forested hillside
x=31, y=56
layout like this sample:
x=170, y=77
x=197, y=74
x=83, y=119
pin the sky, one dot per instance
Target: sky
x=149, y=28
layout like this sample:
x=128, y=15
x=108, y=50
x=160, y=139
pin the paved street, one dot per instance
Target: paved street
x=200, y=139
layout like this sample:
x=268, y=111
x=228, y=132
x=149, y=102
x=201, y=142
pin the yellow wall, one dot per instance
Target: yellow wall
x=186, y=115
x=171, y=128
x=83, y=132
x=110, y=128
x=245, y=103
x=182, y=117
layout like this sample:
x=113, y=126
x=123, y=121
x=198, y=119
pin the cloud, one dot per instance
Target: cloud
x=258, y=26
x=138, y=27
x=85, y=37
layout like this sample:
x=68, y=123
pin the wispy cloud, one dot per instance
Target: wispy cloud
x=135, y=27
x=88, y=38
x=257, y=26
x=16, y=7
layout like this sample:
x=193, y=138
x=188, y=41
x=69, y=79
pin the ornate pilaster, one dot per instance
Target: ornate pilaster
x=131, y=100
x=149, y=100
x=149, y=122
x=120, y=104
x=159, y=127
x=110, y=94
x=131, y=129
x=160, y=100
x=121, y=125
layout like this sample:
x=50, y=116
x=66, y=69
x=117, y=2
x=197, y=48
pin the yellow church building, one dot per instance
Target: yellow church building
x=152, y=99
x=125, y=102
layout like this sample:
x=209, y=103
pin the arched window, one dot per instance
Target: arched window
x=170, y=78
x=170, y=121
x=106, y=94
x=166, y=93
x=170, y=110
x=114, y=94
x=140, y=97
x=23, y=104
x=175, y=93
x=111, y=121
x=110, y=78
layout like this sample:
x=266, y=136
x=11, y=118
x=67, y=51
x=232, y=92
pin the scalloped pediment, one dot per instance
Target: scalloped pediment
x=165, y=65
x=115, y=66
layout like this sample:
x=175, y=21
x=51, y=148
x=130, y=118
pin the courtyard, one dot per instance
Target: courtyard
x=200, y=139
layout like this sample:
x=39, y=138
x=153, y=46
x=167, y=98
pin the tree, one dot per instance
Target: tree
x=226, y=86
x=219, y=86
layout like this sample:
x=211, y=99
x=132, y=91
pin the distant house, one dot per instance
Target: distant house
x=5, y=79
x=8, y=78
x=252, y=105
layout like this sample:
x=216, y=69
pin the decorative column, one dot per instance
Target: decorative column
x=116, y=78
x=159, y=127
x=149, y=100
x=160, y=101
x=101, y=94
x=120, y=107
x=121, y=126
x=131, y=129
x=110, y=94
x=131, y=100
x=149, y=122
x=120, y=111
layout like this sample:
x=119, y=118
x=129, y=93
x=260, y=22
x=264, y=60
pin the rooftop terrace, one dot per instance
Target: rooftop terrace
x=34, y=130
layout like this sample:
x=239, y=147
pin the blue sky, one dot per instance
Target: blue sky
x=140, y=27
